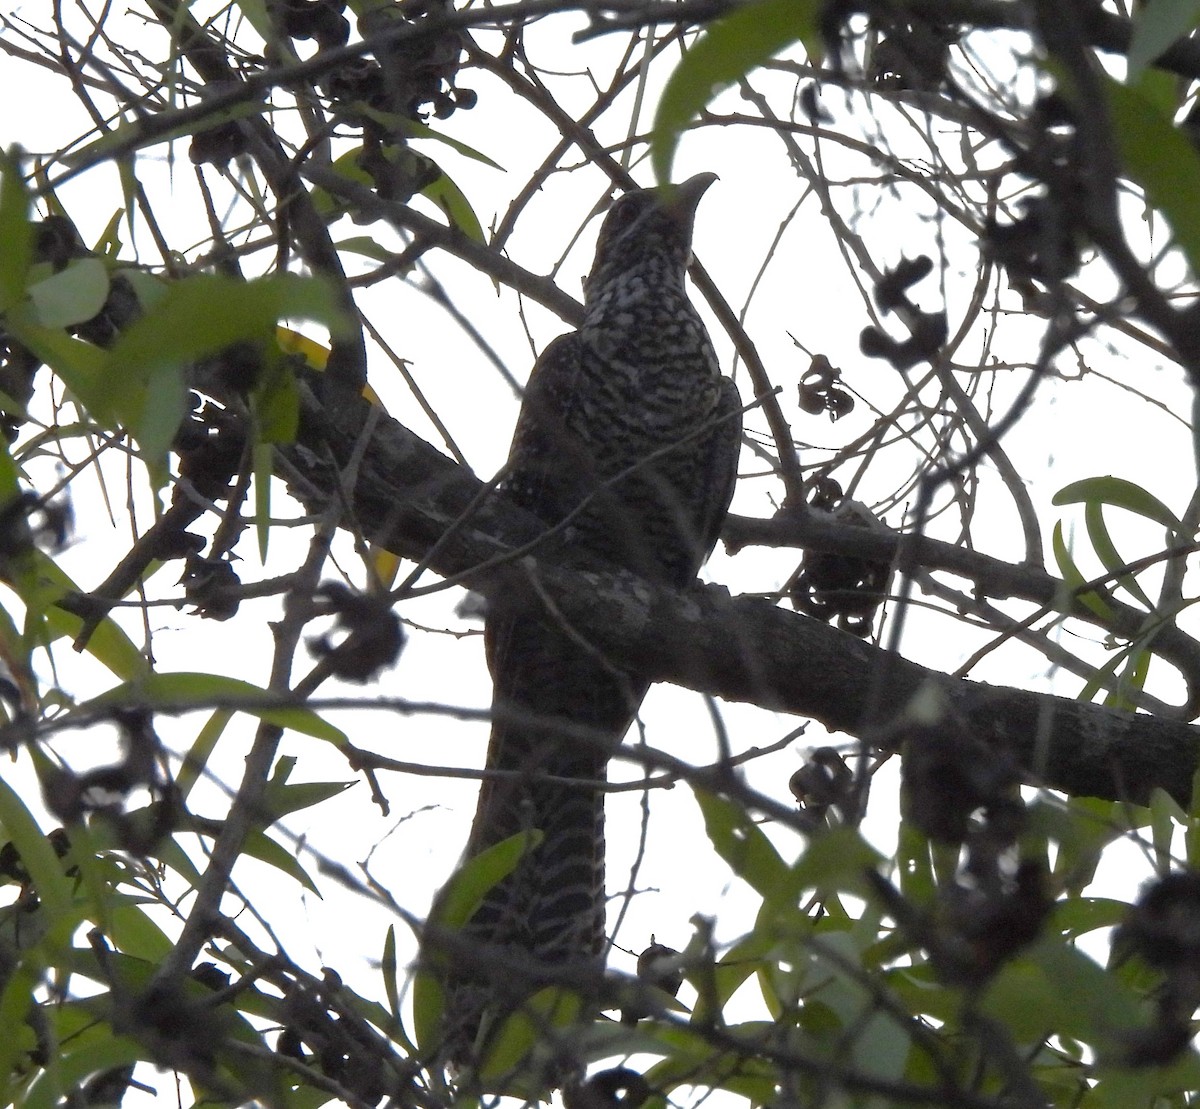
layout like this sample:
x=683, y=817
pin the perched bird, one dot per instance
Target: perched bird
x=630, y=418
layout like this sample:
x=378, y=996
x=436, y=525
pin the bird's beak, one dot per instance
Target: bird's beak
x=680, y=201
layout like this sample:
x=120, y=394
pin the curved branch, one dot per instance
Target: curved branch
x=408, y=496
x=992, y=577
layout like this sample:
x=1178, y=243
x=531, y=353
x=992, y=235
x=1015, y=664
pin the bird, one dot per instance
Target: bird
x=628, y=439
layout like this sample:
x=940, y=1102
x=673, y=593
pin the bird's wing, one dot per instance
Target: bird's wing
x=540, y=459
x=724, y=447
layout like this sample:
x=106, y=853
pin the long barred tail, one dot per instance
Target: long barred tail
x=560, y=712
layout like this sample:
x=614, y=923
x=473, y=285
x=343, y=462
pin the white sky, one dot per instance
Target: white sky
x=1075, y=430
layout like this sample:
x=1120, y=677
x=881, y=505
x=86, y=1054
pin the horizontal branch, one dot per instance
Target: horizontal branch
x=990, y=577
x=417, y=502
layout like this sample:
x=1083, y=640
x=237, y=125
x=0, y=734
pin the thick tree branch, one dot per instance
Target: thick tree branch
x=409, y=497
x=991, y=577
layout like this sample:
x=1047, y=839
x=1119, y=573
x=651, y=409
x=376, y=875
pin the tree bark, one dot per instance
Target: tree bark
x=408, y=497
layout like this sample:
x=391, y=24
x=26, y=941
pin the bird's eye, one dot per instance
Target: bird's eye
x=622, y=214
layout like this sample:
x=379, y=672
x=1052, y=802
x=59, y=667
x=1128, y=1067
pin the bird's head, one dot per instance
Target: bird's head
x=647, y=233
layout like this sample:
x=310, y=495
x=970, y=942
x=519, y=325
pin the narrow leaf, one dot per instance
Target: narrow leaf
x=415, y=130
x=468, y=886
x=16, y=235
x=281, y=800
x=1073, y=580
x=836, y=861
x=1120, y=493
x=17, y=1001
x=522, y=1033
x=1157, y=25
x=389, y=967
x=266, y=850
x=742, y=844
x=263, y=458
x=451, y=199
x=73, y=1067
x=727, y=50
x=198, y=753
x=1110, y=557
x=1160, y=158
x=173, y=691
x=80, y=365
x=1131, y=679
x=18, y=825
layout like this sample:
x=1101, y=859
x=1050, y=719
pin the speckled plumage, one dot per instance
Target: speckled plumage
x=639, y=377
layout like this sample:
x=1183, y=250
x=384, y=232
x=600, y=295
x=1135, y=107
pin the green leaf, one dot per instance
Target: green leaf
x=716, y=984
x=1054, y=988
x=282, y=771
x=914, y=863
x=9, y=475
x=1160, y=158
x=1081, y=829
x=41, y=583
x=197, y=757
x=727, y=50
x=742, y=844
x=172, y=855
x=277, y=402
x=1102, y=677
x=415, y=130
x=429, y=1003
x=389, y=968
x=1110, y=557
x=367, y=247
x=1131, y=679
x=73, y=295
x=263, y=460
x=95, y=884
x=163, y=408
x=469, y=885
x=259, y=18
x=692, y=1061
x=1123, y=1087
x=525, y=1031
x=1157, y=25
x=345, y=165
x=131, y=135
x=1073, y=581
x=836, y=862
x=880, y=1044
x=18, y=825
x=182, y=689
x=197, y=318
x=454, y=905
x=1165, y=816
x=1077, y=916
x=133, y=932
x=17, y=1000
x=280, y=800
x=919, y=990
x=149, y=289
x=1164, y=90
x=450, y=198
x=109, y=242
x=260, y=846
x=80, y=365
x=1122, y=494
x=16, y=235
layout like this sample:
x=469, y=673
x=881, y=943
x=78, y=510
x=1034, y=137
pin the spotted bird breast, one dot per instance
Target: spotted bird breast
x=641, y=412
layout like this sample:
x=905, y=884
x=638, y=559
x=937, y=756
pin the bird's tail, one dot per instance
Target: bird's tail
x=559, y=712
